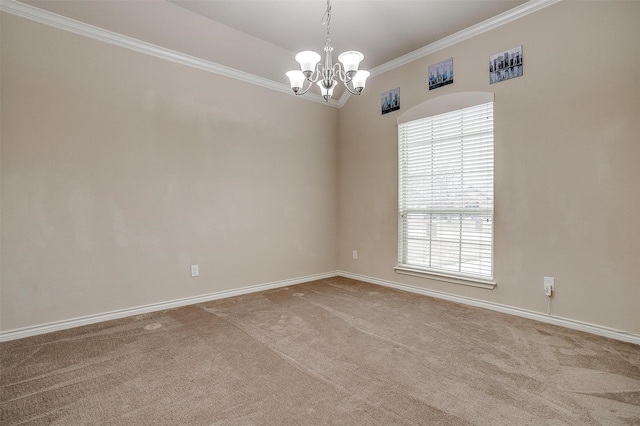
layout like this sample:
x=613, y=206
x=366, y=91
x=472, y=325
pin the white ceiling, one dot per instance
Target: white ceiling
x=381, y=29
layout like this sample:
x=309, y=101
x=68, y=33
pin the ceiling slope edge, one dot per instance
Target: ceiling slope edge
x=67, y=24
x=482, y=27
x=48, y=18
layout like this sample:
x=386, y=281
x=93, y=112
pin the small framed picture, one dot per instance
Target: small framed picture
x=441, y=74
x=390, y=100
x=505, y=65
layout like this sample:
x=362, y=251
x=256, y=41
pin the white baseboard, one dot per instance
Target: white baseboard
x=550, y=319
x=92, y=319
x=121, y=313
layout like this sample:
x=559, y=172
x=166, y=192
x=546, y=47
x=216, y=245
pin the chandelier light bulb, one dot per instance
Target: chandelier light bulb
x=350, y=61
x=296, y=77
x=307, y=60
x=360, y=79
x=326, y=91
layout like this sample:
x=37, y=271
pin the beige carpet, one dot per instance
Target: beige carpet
x=334, y=351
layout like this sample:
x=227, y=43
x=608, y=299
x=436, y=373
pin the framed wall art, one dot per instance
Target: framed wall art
x=505, y=65
x=390, y=101
x=441, y=74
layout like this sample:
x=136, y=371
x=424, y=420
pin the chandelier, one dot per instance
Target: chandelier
x=324, y=75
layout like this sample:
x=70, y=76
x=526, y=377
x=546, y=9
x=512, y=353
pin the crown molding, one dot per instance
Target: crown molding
x=504, y=18
x=71, y=25
x=26, y=11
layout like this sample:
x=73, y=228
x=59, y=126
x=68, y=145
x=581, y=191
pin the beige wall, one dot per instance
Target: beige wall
x=164, y=24
x=120, y=170
x=567, y=163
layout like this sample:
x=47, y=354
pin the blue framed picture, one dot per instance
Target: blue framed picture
x=390, y=101
x=441, y=74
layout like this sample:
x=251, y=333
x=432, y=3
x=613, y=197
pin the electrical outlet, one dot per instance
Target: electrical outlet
x=355, y=254
x=195, y=270
x=549, y=285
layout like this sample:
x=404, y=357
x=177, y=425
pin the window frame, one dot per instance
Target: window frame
x=430, y=108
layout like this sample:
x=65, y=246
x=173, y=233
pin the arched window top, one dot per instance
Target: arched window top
x=445, y=103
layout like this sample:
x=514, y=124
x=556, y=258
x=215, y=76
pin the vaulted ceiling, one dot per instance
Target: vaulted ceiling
x=382, y=29
x=261, y=37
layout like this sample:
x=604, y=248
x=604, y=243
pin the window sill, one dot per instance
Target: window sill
x=455, y=279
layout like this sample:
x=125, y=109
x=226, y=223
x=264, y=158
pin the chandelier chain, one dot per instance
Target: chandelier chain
x=326, y=20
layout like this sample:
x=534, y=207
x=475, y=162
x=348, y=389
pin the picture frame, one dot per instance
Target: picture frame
x=506, y=65
x=390, y=101
x=441, y=74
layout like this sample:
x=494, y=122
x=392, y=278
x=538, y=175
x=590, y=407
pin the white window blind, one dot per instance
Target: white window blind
x=446, y=193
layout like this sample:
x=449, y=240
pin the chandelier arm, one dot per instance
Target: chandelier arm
x=351, y=91
x=303, y=91
x=339, y=71
x=316, y=75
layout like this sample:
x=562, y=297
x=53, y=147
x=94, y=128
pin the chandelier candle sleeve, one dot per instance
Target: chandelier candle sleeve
x=326, y=75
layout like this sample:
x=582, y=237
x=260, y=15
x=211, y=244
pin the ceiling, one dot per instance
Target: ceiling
x=261, y=37
x=381, y=29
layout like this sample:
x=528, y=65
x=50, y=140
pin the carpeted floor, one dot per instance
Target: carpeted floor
x=334, y=351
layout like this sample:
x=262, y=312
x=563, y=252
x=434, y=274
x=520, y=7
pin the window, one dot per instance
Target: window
x=446, y=194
